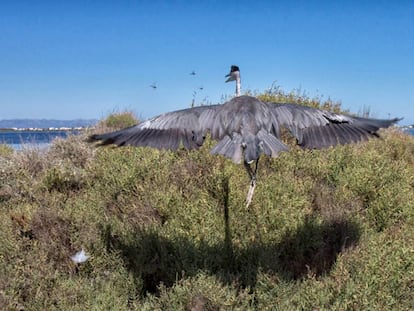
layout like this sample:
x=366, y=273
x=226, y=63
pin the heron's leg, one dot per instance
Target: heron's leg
x=248, y=169
x=252, y=175
x=256, y=166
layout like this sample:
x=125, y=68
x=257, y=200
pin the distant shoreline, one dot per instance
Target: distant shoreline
x=45, y=124
x=50, y=129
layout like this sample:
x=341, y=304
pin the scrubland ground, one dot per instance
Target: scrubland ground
x=327, y=230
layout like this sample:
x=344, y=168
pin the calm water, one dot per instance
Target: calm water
x=18, y=139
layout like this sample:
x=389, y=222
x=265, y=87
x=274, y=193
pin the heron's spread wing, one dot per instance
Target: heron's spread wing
x=246, y=119
x=187, y=127
x=316, y=129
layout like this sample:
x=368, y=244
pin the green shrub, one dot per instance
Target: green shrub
x=63, y=179
x=120, y=120
x=6, y=150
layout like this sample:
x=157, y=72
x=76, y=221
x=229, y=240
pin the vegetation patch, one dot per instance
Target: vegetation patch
x=327, y=230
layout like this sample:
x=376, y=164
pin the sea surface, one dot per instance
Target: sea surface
x=32, y=139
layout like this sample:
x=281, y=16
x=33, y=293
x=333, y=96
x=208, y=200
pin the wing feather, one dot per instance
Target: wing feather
x=316, y=129
x=169, y=130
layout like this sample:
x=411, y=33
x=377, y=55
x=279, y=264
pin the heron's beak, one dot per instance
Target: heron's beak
x=231, y=76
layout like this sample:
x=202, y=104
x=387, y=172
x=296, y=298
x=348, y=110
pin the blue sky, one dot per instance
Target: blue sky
x=86, y=59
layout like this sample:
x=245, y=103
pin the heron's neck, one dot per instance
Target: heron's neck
x=238, y=83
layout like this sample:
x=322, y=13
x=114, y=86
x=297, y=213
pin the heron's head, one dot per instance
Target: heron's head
x=234, y=74
x=252, y=148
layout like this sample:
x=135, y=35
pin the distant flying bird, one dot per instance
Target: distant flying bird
x=245, y=128
x=201, y=88
x=154, y=86
x=192, y=73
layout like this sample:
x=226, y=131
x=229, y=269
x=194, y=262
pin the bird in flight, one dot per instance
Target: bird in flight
x=245, y=128
x=193, y=73
x=154, y=86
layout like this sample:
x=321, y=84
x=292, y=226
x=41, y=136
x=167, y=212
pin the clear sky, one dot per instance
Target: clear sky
x=86, y=59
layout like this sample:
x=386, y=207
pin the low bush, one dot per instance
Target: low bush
x=327, y=230
x=118, y=120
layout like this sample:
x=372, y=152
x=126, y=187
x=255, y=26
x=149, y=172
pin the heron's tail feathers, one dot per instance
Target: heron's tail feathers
x=263, y=142
x=230, y=147
x=270, y=144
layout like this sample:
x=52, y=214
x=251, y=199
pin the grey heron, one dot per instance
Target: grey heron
x=245, y=128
